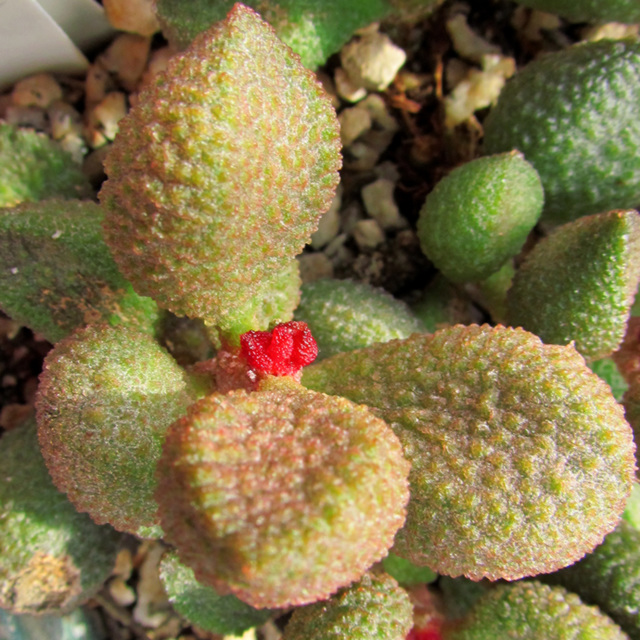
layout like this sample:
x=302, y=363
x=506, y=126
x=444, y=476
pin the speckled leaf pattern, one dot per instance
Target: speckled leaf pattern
x=583, y=136
x=56, y=273
x=374, y=607
x=220, y=172
x=578, y=284
x=106, y=398
x=532, y=611
x=609, y=578
x=521, y=458
x=52, y=558
x=283, y=495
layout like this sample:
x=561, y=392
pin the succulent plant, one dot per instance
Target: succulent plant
x=374, y=607
x=530, y=610
x=582, y=137
x=476, y=450
x=33, y=167
x=479, y=216
x=579, y=283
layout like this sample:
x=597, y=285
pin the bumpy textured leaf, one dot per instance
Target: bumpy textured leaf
x=609, y=577
x=375, y=607
x=579, y=283
x=106, y=398
x=220, y=173
x=521, y=458
x=532, y=611
x=314, y=29
x=583, y=136
x=33, y=167
x=282, y=495
x=203, y=606
x=479, y=216
x=589, y=10
x=345, y=315
x=52, y=558
x=607, y=370
x=56, y=273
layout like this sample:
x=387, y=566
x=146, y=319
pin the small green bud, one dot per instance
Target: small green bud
x=479, y=216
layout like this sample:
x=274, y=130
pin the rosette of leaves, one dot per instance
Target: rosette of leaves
x=280, y=496
x=106, y=398
x=500, y=430
x=56, y=273
x=579, y=283
x=202, y=605
x=33, y=167
x=589, y=10
x=583, y=136
x=479, y=215
x=609, y=577
x=373, y=607
x=220, y=174
x=52, y=558
x=531, y=610
x=345, y=315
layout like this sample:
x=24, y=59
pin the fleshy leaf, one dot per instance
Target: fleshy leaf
x=345, y=315
x=202, y=605
x=589, y=10
x=531, y=611
x=609, y=577
x=106, y=398
x=283, y=495
x=56, y=273
x=210, y=194
x=500, y=431
x=375, y=607
x=478, y=217
x=578, y=284
x=52, y=558
x=583, y=137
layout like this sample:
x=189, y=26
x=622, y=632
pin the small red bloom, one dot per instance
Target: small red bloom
x=283, y=351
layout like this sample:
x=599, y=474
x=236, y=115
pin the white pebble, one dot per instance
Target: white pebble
x=39, y=90
x=368, y=234
x=104, y=119
x=467, y=42
x=380, y=205
x=354, y=121
x=127, y=58
x=135, y=16
x=314, y=266
x=32, y=117
x=379, y=113
x=372, y=61
x=346, y=89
